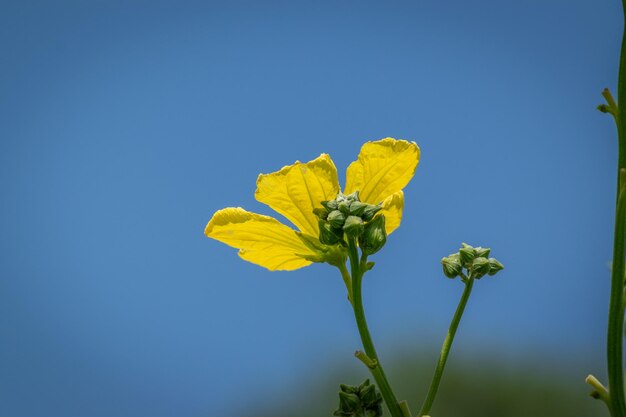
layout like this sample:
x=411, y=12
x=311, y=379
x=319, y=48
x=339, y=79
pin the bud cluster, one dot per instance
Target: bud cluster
x=360, y=401
x=475, y=260
x=347, y=216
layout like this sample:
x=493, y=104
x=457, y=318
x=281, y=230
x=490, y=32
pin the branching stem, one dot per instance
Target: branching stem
x=445, y=349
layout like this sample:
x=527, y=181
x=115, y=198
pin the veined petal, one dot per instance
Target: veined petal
x=392, y=209
x=297, y=189
x=260, y=239
x=383, y=168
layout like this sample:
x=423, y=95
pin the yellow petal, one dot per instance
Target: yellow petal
x=392, y=209
x=260, y=239
x=383, y=168
x=296, y=190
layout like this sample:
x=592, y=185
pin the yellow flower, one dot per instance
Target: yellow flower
x=381, y=171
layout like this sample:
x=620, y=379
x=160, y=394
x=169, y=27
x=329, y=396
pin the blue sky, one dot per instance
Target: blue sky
x=125, y=125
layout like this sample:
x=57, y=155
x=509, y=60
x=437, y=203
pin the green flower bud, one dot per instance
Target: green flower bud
x=357, y=208
x=336, y=219
x=329, y=205
x=328, y=236
x=452, y=266
x=353, y=227
x=375, y=412
x=353, y=197
x=482, y=252
x=363, y=385
x=321, y=213
x=370, y=211
x=369, y=396
x=374, y=236
x=348, y=402
x=494, y=266
x=480, y=267
x=361, y=401
x=349, y=389
x=344, y=206
x=466, y=254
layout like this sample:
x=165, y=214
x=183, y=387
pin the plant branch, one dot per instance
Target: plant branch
x=445, y=349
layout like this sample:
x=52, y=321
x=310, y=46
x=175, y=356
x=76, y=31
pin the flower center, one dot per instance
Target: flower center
x=348, y=217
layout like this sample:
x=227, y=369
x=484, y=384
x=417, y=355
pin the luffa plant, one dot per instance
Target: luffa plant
x=341, y=228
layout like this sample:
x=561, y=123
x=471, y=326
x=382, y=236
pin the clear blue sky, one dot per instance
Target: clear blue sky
x=125, y=125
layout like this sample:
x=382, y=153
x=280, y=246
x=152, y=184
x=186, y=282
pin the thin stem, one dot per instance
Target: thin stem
x=445, y=349
x=616, y=312
x=404, y=406
x=346, y=279
x=358, y=268
x=614, y=345
x=617, y=402
x=621, y=106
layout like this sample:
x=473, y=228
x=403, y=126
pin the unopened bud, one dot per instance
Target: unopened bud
x=349, y=389
x=452, y=266
x=329, y=205
x=494, y=266
x=370, y=211
x=467, y=254
x=374, y=412
x=328, y=236
x=336, y=219
x=369, y=395
x=480, y=267
x=359, y=401
x=321, y=213
x=357, y=208
x=482, y=252
x=348, y=402
x=353, y=226
x=353, y=197
x=344, y=207
x=374, y=236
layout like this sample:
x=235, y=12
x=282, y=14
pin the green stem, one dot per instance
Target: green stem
x=445, y=349
x=616, y=311
x=621, y=106
x=615, y=331
x=346, y=280
x=358, y=268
